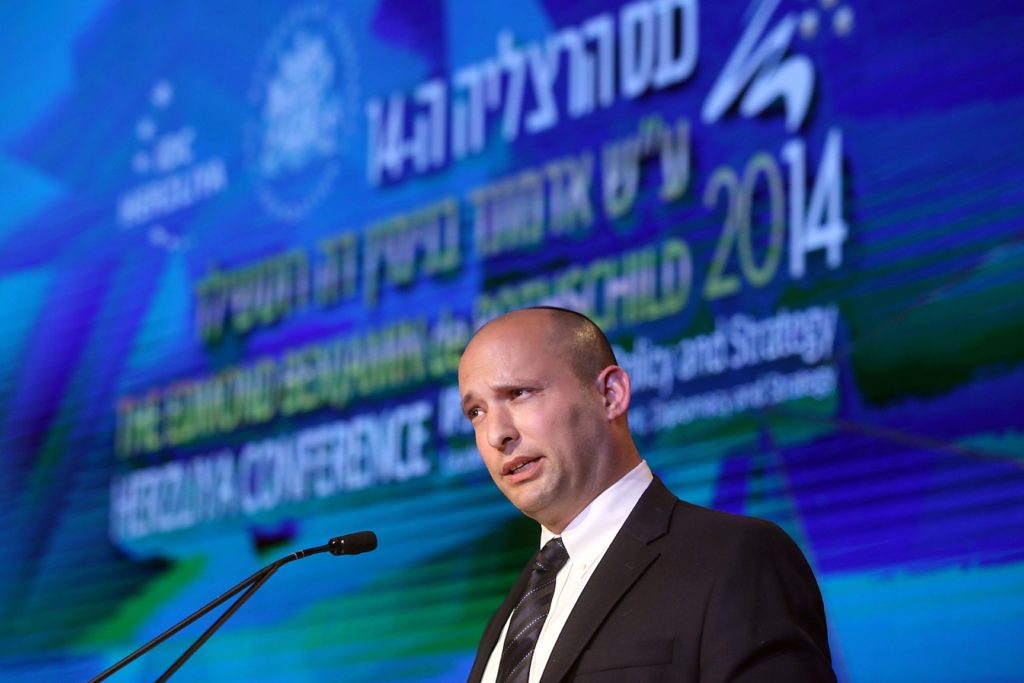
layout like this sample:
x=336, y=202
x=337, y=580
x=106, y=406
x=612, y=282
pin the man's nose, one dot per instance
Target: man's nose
x=501, y=430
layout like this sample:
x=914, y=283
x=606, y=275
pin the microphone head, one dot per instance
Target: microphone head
x=353, y=544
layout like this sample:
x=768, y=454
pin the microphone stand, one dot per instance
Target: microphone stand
x=266, y=574
x=361, y=541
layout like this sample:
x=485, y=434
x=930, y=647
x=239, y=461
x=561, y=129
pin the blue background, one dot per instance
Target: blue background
x=904, y=485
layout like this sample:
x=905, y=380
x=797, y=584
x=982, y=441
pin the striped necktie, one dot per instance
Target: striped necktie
x=530, y=613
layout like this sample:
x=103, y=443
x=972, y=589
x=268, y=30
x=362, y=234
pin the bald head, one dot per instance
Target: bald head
x=572, y=335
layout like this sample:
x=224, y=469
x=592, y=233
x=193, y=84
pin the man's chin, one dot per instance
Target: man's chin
x=536, y=506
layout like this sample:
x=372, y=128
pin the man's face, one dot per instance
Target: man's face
x=540, y=430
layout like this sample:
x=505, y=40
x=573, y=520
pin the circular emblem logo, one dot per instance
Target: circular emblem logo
x=304, y=96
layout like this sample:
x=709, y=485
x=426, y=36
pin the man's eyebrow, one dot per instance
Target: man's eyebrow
x=498, y=389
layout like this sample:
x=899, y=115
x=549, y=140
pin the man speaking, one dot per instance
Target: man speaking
x=630, y=583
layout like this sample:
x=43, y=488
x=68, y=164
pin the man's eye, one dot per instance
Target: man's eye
x=516, y=393
x=473, y=413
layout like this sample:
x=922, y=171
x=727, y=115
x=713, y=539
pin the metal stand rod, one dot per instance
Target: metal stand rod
x=201, y=612
x=253, y=583
x=217, y=624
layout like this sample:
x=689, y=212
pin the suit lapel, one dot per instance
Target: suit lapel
x=627, y=558
x=496, y=624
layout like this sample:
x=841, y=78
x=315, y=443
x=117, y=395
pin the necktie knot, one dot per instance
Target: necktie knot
x=552, y=557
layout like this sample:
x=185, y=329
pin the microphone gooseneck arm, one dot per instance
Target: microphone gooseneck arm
x=267, y=573
x=349, y=544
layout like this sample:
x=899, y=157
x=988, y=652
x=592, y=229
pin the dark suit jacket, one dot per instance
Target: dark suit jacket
x=685, y=593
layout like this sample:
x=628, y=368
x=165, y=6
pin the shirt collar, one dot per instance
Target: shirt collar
x=591, y=532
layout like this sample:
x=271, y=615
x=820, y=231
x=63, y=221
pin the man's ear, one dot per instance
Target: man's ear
x=613, y=383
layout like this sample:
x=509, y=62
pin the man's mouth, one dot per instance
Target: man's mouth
x=518, y=466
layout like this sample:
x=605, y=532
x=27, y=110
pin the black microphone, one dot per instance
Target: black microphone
x=349, y=544
x=353, y=544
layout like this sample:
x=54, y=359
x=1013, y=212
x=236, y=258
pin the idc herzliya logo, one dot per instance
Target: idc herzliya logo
x=304, y=107
x=169, y=175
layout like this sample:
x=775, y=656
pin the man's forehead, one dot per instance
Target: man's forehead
x=494, y=350
x=506, y=351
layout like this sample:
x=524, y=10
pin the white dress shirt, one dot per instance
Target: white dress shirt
x=586, y=539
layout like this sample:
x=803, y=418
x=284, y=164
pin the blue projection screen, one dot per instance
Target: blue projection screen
x=243, y=244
